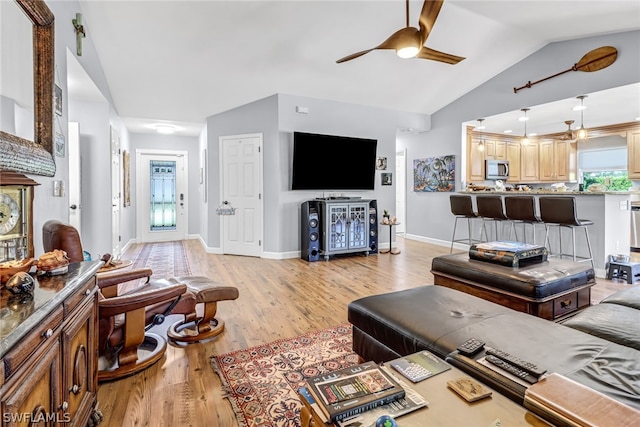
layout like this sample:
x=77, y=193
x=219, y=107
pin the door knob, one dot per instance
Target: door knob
x=74, y=206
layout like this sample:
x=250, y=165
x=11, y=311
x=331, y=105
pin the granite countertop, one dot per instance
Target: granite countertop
x=548, y=192
x=19, y=317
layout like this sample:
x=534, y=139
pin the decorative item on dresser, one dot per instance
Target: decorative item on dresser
x=16, y=216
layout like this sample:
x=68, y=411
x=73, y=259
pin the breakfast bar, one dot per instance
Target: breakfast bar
x=609, y=212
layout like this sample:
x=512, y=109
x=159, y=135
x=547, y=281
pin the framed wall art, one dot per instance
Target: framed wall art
x=434, y=174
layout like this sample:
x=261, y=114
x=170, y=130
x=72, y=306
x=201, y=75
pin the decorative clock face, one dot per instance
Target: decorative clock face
x=9, y=213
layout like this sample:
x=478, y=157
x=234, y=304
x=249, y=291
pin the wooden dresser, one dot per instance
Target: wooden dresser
x=48, y=350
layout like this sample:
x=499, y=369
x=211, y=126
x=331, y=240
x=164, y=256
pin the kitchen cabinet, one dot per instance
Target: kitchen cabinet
x=557, y=161
x=529, y=163
x=495, y=150
x=49, y=352
x=475, y=160
x=513, y=150
x=633, y=158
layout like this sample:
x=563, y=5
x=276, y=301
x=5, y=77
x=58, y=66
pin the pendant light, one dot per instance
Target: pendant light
x=568, y=135
x=525, y=138
x=480, y=127
x=582, y=132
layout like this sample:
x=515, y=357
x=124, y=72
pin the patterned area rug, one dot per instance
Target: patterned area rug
x=166, y=259
x=262, y=381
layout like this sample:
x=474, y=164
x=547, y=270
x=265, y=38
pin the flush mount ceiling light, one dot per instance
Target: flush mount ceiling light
x=525, y=138
x=582, y=132
x=165, y=129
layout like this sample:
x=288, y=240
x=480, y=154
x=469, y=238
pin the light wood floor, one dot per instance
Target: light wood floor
x=278, y=299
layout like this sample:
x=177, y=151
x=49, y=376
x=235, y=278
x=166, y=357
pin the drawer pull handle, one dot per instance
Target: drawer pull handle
x=75, y=389
x=87, y=292
x=566, y=303
x=64, y=406
x=48, y=333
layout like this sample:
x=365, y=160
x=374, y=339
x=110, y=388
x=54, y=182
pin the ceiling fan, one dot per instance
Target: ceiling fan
x=408, y=42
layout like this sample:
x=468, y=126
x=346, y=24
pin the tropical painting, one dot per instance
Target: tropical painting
x=434, y=174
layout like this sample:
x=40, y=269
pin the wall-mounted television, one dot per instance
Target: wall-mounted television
x=329, y=162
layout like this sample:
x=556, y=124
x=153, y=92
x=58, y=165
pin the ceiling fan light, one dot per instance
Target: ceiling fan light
x=407, y=52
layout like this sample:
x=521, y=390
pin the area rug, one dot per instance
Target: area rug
x=166, y=259
x=261, y=382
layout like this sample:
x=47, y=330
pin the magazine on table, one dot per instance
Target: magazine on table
x=410, y=402
x=353, y=390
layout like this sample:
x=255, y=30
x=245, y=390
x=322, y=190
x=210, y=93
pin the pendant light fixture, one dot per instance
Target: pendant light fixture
x=525, y=138
x=480, y=127
x=568, y=135
x=582, y=132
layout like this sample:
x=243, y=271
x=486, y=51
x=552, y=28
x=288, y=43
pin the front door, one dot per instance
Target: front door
x=162, y=198
x=241, y=176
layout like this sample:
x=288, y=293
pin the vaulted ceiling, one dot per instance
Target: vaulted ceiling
x=181, y=61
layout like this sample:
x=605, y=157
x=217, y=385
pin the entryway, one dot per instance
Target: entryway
x=161, y=178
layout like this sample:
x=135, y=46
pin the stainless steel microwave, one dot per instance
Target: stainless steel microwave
x=496, y=169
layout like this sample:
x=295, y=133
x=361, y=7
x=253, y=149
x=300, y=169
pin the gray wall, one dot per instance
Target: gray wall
x=276, y=118
x=428, y=214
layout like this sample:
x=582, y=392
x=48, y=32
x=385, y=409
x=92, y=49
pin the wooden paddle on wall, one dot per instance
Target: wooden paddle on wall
x=594, y=60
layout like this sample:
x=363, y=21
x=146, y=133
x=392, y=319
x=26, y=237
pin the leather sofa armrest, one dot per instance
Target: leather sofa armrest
x=149, y=295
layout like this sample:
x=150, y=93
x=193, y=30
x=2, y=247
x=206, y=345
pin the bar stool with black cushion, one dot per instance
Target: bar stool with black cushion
x=490, y=208
x=561, y=212
x=522, y=210
x=462, y=208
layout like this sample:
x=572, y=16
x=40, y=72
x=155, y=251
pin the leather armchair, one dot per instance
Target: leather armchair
x=125, y=344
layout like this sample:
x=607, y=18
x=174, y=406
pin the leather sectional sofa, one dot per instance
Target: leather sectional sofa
x=599, y=347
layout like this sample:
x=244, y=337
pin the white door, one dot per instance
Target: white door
x=401, y=191
x=161, y=204
x=75, y=174
x=115, y=193
x=241, y=182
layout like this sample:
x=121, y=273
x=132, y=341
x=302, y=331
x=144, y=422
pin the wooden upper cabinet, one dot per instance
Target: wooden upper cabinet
x=633, y=158
x=495, y=150
x=529, y=163
x=513, y=156
x=475, y=160
x=558, y=161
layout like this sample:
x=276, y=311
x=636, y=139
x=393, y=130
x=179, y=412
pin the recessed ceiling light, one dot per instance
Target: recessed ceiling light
x=579, y=107
x=508, y=131
x=533, y=134
x=637, y=118
x=523, y=118
x=165, y=129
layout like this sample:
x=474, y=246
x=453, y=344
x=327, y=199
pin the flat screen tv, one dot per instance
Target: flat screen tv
x=329, y=162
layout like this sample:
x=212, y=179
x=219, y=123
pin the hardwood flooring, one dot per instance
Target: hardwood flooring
x=278, y=299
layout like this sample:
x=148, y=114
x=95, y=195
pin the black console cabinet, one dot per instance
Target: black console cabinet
x=338, y=226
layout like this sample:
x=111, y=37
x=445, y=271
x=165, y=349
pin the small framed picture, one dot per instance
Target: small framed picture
x=387, y=179
x=381, y=163
x=57, y=100
x=59, y=144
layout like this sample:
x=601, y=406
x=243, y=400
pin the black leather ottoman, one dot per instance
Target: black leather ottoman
x=552, y=289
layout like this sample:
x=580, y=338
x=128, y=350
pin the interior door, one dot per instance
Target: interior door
x=75, y=174
x=241, y=180
x=115, y=193
x=161, y=178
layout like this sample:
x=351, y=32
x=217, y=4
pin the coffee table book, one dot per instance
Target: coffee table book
x=350, y=391
x=510, y=254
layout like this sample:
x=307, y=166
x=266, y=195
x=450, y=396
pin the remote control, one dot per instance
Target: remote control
x=511, y=369
x=531, y=368
x=470, y=347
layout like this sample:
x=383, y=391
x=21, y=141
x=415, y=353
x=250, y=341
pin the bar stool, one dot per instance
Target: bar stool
x=462, y=208
x=522, y=210
x=561, y=212
x=490, y=208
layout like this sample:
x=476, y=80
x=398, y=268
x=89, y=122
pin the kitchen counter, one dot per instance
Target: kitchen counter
x=609, y=211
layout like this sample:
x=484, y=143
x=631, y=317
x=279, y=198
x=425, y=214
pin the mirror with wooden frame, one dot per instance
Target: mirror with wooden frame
x=19, y=154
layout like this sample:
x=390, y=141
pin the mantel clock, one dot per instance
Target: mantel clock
x=16, y=216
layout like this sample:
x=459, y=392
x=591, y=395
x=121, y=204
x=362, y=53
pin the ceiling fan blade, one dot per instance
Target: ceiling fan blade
x=392, y=42
x=428, y=16
x=434, y=55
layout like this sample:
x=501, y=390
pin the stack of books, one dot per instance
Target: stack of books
x=510, y=254
x=345, y=393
